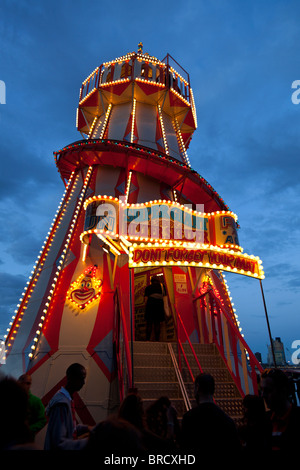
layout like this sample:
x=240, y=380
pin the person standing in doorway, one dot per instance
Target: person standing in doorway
x=154, y=313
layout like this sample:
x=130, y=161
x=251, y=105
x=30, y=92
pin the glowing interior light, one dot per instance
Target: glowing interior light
x=128, y=186
x=105, y=121
x=163, y=129
x=133, y=120
x=180, y=141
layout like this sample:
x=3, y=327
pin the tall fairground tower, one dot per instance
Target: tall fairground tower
x=133, y=208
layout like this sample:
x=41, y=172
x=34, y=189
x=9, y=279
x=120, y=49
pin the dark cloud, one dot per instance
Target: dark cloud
x=12, y=287
x=294, y=282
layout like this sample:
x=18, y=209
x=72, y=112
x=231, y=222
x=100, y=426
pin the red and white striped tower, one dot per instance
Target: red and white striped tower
x=137, y=117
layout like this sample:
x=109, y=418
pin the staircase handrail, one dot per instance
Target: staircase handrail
x=186, y=360
x=237, y=335
x=190, y=344
x=241, y=338
x=184, y=393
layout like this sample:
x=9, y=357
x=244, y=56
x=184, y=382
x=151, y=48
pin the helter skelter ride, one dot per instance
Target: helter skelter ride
x=132, y=208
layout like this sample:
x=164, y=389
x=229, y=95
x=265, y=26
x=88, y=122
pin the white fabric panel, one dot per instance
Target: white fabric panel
x=117, y=71
x=146, y=124
x=106, y=180
x=118, y=121
x=149, y=189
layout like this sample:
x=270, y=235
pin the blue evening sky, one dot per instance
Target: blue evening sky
x=242, y=57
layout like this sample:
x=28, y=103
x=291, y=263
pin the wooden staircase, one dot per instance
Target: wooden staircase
x=155, y=375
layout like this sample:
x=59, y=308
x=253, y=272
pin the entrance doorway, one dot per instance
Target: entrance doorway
x=142, y=277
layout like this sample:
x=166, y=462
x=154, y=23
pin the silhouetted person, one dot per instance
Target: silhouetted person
x=62, y=431
x=36, y=410
x=14, y=429
x=283, y=415
x=161, y=418
x=154, y=312
x=206, y=429
x=254, y=431
x=132, y=410
x=115, y=436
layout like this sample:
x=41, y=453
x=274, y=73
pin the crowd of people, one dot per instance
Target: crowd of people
x=270, y=422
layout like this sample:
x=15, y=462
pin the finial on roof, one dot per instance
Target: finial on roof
x=140, y=48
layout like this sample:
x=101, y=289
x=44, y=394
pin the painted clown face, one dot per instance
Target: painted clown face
x=85, y=292
x=85, y=289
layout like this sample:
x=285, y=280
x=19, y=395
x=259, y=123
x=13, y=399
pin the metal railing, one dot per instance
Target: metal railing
x=217, y=327
x=182, y=387
x=181, y=352
x=180, y=347
x=167, y=72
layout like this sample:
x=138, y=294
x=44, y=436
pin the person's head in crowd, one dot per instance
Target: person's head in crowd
x=204, y=388
x=14, y=429
x=115, y=436
x=25, y=381
x=132, y=410
x=275, y=389
x=76, y=375
x=254, y=408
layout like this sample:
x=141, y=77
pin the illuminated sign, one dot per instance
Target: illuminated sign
x=167, y=233
x=86, y=289
x=151, y=255
x=163, y=220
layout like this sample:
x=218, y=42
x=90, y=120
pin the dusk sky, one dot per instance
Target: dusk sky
x=242, y=58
